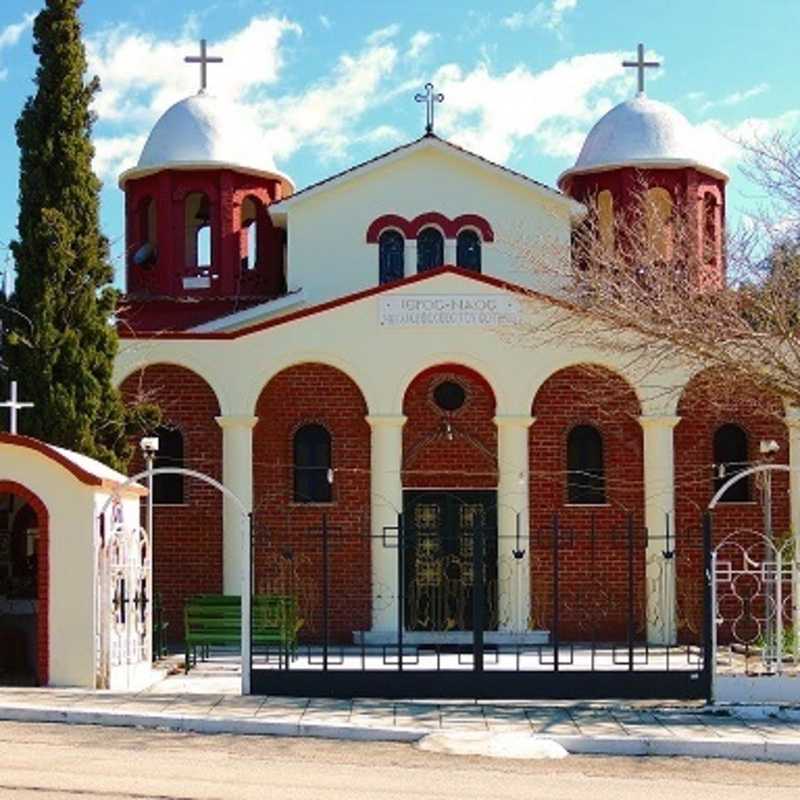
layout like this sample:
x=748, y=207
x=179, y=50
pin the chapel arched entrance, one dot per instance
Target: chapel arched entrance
x=23, y=587
x=449, y=478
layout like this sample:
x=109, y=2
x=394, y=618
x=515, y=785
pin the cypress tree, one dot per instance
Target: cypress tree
x=63, y=359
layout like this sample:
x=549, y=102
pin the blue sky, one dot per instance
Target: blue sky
x=324, y=85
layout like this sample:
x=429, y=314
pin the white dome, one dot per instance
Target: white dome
x=640, y=132
x=202, y=131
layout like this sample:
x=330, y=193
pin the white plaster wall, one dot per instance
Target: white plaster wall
x=70, y=504
x=383, y=360
x=327, y=250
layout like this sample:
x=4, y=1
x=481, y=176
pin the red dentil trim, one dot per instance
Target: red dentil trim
x=42, y=576
x=356, y=296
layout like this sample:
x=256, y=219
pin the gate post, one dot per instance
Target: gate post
x=478, y=611
x=401, y=589
x=709, y=606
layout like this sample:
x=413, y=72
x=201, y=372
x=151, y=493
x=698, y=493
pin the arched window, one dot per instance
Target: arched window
x=586, y=483
x=168, y=488
x=709, y=228
x=658, y=222
x=730, y=458
x=605, y=219
x=430, y=249
x=312, y=463
x=468, y=250
x=249, y=225
x=146, y=251
x=391, y=248
x=198, y=231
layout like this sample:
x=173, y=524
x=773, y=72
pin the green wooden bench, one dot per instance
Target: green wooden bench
x=215, y=620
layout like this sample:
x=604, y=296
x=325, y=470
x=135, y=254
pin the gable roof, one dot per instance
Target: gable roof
x=347, y=299
x=428, y=141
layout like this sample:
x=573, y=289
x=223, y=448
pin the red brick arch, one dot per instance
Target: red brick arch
x=42, y=576
x=320, y=394
x=187, y=557
x=576, y=395
x=467, y=459
x=709, y=401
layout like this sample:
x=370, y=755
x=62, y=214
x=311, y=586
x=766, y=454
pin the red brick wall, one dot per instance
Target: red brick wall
x=430, y=459
x=593, y=588
x=188, y=538
x=42, y=577
x=706, y=404
x=288, y=542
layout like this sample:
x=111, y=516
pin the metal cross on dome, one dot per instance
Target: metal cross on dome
x=640, y=65
x=429, y=98
x=203, y=60
x=14, y=407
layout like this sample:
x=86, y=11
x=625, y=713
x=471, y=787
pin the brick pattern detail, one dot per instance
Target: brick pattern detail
x=590, y=580
x=430, y=458
x=287, y=537
x=42, y=577
x=187, y=555
x=705, y=405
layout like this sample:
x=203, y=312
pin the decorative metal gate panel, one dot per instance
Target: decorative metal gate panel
x=586, y=635
x=124, y=614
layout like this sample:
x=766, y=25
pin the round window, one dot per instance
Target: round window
x=449, y=396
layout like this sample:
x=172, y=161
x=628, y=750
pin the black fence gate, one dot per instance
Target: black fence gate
x=453, y=599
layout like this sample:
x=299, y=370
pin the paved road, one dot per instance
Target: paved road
x=44, y=762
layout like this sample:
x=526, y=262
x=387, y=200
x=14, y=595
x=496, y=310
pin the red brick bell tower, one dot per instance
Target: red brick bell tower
x=200, y=243
x=642, y=146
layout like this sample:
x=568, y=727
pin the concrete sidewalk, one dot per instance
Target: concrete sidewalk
x=597, y=728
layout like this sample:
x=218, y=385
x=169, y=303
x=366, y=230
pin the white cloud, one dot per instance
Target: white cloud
x=3, y=73
x=728, y=101
x=547, y=14
x=326, y=116
x=553, y=109
x=384, y=34
x=11, y=34
x=724, y=145
x=419, y=42
x=325, y=21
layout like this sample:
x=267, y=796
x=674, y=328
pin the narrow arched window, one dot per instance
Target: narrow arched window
x=198, y=231
x=586, y=482
x=249, y=225
x=146, y=251
x=312, y=464
x=168, y=488
x=605, y=219
x=730, y=458
x=658, y=223
x=468, y=250
x=430, y=249
x=391, y=249
x=709, y=228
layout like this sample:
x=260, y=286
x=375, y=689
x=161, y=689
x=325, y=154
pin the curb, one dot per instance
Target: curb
x=785, y=751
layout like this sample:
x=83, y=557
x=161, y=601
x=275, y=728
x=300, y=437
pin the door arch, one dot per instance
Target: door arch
x=40, y=629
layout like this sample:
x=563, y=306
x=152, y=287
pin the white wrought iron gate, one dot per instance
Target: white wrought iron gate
x=124, y=611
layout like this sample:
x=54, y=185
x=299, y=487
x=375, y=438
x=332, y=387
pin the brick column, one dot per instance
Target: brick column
x=659, y=512
x=386, y=500
x=237, y=475
x=513, y=492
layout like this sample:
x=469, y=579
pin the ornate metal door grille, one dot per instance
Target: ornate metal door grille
x=124, y=615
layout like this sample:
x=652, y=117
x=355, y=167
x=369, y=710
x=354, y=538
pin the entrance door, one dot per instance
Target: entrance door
x=441, y=530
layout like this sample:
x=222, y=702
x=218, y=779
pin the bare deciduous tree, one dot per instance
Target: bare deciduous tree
x=658, y=288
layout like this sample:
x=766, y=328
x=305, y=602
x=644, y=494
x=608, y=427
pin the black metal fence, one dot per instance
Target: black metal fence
x=587, y=607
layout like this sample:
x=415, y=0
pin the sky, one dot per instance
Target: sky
x=321, y=86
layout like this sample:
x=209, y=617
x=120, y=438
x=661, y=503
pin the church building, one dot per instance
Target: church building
x=348, y=354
